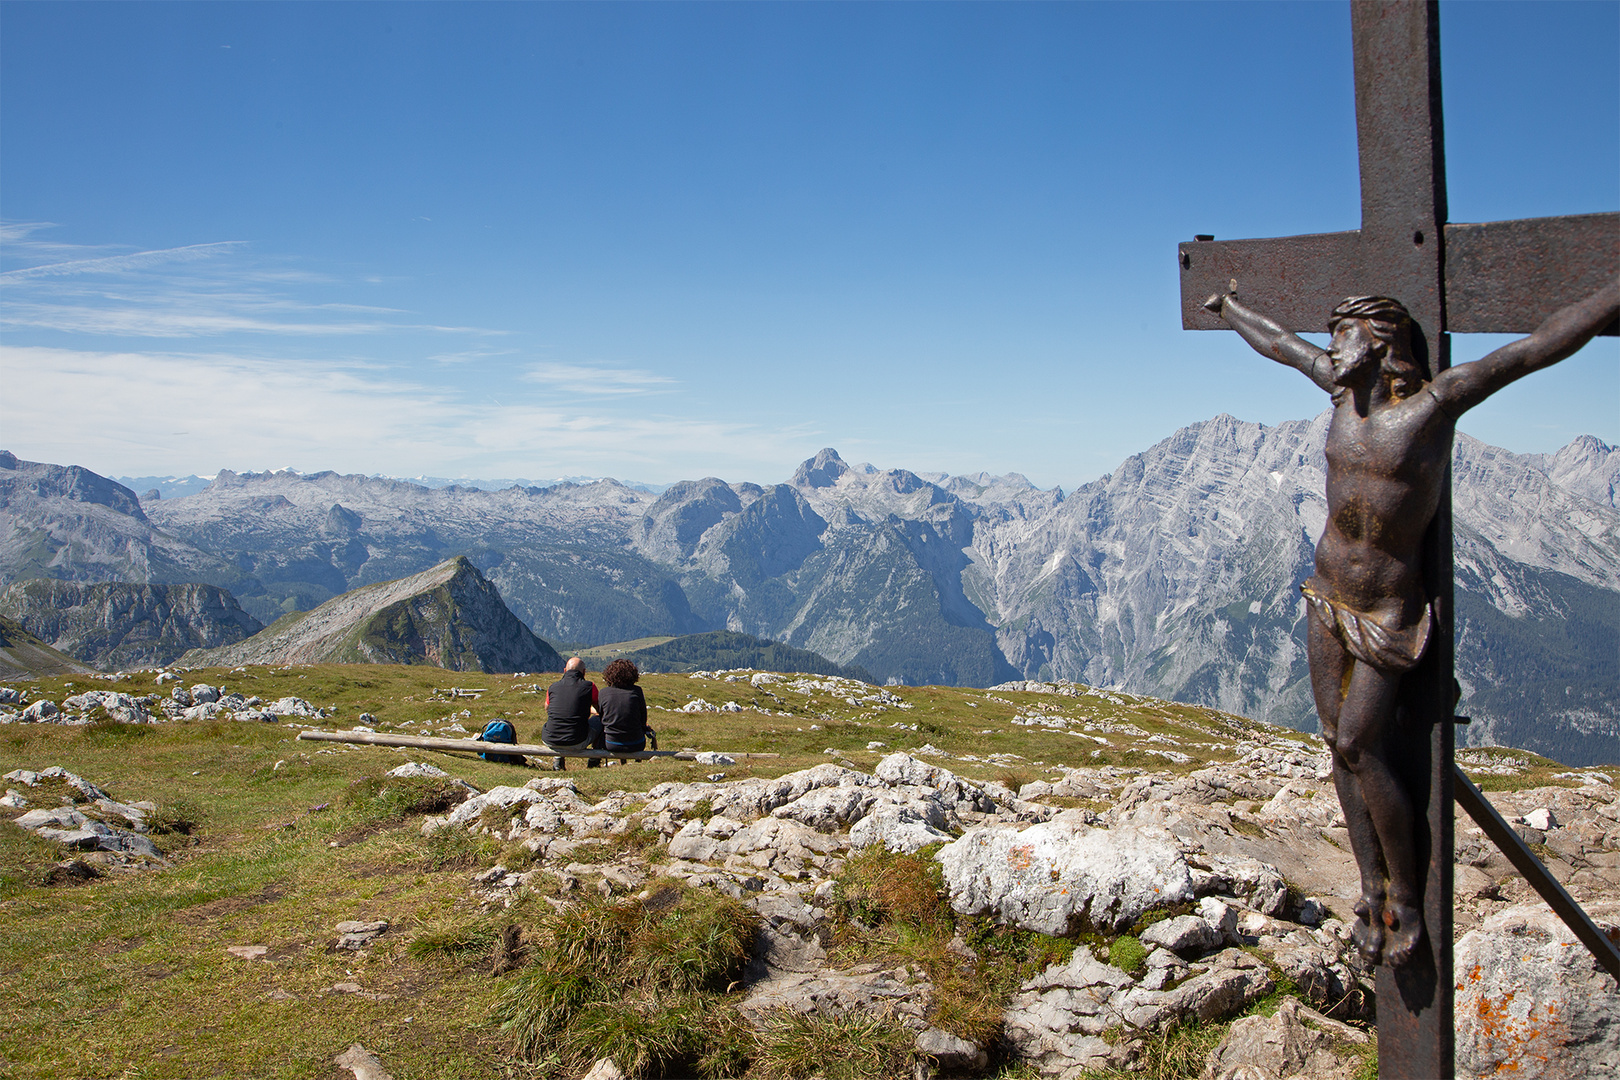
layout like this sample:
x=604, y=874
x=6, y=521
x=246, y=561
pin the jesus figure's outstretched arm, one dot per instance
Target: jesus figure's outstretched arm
x=1460, y=388
x=1270, y=339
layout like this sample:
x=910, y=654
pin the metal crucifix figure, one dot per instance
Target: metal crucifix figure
x=1388, y=448
x=1380, y=633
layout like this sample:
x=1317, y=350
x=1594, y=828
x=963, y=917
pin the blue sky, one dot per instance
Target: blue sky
x=666, y=241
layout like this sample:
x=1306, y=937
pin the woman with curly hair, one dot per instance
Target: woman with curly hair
x=624, y=709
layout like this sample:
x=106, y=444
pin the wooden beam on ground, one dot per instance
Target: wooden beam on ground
x=477, y=746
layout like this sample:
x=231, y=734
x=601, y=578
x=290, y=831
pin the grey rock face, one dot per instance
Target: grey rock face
x=69, y=523
x=117, y=625
x=1057, y=877
x=1532, y=1002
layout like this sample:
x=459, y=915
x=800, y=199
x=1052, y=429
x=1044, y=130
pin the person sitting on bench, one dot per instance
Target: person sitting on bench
x=624, y=710
x=573, y=721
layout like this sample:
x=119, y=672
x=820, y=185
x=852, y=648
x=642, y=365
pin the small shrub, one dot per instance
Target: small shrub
x=1128, y=954
x=395, y=798
x=453, y=940
x=881, y=886
x=634, y=981
x=181, y=817
x=848, y=1047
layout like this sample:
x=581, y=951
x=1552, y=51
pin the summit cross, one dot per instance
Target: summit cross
x=1498, y=277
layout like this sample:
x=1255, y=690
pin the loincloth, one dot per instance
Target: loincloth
x=1369, y=639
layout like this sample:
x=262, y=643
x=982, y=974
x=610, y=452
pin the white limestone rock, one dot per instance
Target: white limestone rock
x=1055, y=1020
x=1184, y=935
x=897, y=826
x=829, y=809
x=1056, y=877
x=293, y=706
x=117, y=706
x=40, y=711
x=1284, y=1045
x=1531, y=1001
x=950, y=1052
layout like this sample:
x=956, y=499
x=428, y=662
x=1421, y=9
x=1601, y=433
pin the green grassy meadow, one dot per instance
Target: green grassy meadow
x=273, y=842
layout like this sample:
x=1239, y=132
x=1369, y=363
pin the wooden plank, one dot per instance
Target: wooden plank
x=476, y=746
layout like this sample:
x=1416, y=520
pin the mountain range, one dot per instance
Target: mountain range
x=1176, y=575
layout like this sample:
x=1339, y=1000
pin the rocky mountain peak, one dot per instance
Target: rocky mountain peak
x=70, y=482
x=823, y=470
x=449, y=616
x=1588, y=466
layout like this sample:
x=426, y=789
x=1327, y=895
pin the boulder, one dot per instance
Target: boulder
x=1284, y=1046
x=1057, y=878
x=950, y=1052
x=40, y=711
x=901, y=828
x=1531, y=1001
x=1184, y=935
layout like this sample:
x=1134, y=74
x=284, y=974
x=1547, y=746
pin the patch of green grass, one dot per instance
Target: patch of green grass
x=853, y=1046
x=454, y=939
x=633, y=980
x=24, y=859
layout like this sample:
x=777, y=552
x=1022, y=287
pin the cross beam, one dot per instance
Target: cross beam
x=1500, y=277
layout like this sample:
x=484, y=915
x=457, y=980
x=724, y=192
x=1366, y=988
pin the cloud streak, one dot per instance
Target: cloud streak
x=199, y=290
x=141, y=412
x=123, y=264
x=583, y=379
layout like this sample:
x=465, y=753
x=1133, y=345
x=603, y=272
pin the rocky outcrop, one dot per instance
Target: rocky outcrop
x=449, y=616
x=80, y=816
x=117, y=625
x=1233, y=877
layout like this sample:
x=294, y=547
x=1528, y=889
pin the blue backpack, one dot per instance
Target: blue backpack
x=499, y=731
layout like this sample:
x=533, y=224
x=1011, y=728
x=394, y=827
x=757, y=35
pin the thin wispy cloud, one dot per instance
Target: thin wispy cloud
x=603, y=381
x=199, y=290
x=318, y=414
x=123, y=264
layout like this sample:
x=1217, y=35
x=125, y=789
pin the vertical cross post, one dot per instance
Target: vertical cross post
x=1403, y=215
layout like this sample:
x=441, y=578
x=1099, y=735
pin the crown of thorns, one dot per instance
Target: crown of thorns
x=1374, y=308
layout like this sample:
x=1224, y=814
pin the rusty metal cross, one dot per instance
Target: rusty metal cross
x=1499, y=277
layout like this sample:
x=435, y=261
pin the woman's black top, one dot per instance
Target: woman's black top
x=624, y=716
